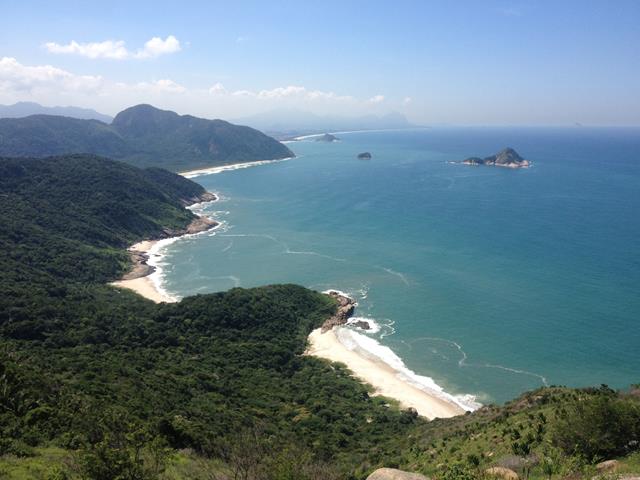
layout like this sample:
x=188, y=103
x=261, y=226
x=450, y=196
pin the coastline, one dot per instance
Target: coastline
x=143, y=285
x=382, y=377
x=377, y=130
x=377, y=365
x=387, y=379
x=230, y=167
x=143, y=277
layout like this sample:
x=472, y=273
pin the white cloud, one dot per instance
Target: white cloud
x=15, y=76
x=243, y=93
x=116, y=50
x=217, y=89
x=39, y=81
x=376, y=99
x=283, y=92
x=48, y=84
x=107, y=49
x=159, y=86
x=156, y=47
x=294, y=91
x=407, y=100
x=242, y=39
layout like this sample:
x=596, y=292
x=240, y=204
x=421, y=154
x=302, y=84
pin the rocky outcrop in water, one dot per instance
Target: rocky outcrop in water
x=505, y=158
x=364, y=156
x=361, y=324
x=205, y=197
x=346, y=306
x=327, y=137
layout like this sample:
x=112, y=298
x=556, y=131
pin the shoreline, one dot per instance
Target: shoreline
x=385, y=380
x=142, y=277
x=233, y=166
x=302, y=138
x=323, y=342
x=377, y=365
x=143, y=285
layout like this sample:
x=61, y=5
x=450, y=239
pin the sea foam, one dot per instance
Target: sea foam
x=370, y=348
x=367, y=346
x=228, y=168
x=157, y=253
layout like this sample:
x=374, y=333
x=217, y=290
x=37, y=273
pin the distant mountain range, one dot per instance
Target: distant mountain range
x=286, y=124
x=143, y=136
x=25, y=109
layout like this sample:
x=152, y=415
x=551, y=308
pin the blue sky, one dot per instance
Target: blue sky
x=463, y=62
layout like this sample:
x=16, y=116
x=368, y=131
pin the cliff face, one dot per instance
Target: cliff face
x=505, y=158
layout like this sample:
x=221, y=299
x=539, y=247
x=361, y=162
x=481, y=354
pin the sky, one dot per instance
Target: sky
x=437, y=62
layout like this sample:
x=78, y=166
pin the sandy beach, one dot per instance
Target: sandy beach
x=230, y=167
x=143, y=285
x=381, y=376
x=139, y=278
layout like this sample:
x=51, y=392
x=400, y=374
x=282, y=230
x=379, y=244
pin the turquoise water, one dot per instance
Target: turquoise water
x=491, y=281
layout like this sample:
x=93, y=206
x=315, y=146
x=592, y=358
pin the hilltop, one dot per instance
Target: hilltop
x=143, y=136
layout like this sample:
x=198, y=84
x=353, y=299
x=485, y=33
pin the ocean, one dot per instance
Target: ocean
x=482, y=281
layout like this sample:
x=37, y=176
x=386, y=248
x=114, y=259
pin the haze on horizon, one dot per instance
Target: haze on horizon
x=494, y=62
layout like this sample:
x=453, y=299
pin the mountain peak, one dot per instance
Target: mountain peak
x=143, y=119
x=144, y=136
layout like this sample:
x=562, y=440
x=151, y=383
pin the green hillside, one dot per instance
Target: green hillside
x=99, y=383
x=143, y=136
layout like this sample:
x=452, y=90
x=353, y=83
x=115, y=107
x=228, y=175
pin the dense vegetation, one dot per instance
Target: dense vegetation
x=100, y=371
x=143, y=136
x=100, y=383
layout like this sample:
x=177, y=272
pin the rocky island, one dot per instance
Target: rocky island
x=364, y=156
x=327, y=137
x=505, y=158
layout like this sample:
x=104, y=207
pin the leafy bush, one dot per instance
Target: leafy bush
x=600, y=426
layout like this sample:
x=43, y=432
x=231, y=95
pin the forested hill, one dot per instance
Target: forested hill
x=70, y=218
x=95, y=375
x=99, y=383
x=141, y=135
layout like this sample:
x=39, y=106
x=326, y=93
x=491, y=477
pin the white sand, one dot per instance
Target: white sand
x=381, y=376
x=144, y=285
x=233, y=166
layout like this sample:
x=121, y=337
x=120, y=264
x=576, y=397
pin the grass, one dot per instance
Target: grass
x=45, y=463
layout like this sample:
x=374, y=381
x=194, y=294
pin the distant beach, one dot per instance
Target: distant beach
x=145, y=285
x=233, y=166
x=145, y=277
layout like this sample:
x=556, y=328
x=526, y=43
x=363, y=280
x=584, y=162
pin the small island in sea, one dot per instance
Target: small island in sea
x=364, y=156
x=327, y=137
x=504, y=158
